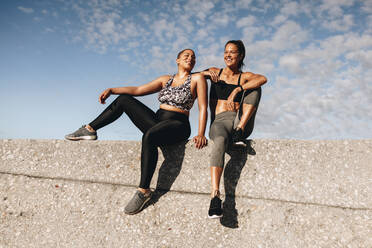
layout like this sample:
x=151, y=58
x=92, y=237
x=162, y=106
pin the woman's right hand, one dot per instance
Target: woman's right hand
x=230, y=100
x=104, y=95
x=210, y=74
x=213, y=75
x=200, y=141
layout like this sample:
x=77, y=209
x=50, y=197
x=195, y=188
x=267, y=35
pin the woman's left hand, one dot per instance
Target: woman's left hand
x=230, y=101
x=200, y=141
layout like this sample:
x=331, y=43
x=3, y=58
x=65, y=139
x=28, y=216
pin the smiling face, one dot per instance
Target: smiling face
x=231, y=55
x=186, y=59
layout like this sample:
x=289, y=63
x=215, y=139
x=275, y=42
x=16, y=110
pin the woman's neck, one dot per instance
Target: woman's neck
x=182, y=73
x=232, y=70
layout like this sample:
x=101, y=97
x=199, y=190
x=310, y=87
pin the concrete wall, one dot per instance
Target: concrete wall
x=277, y=193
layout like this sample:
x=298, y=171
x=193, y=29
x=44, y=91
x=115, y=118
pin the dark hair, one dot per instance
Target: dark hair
x=241, y=50
x=179, y=54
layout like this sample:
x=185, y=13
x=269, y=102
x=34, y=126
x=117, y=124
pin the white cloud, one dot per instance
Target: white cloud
x=210, y=55
x=246, y=21
x=362, y=57
x=107, y=27
x=186, y=23
x=369, y=20
x=334, y=7
x=160, y=27
x=157, y=52
x=26, y=10
x=292, y=63
x=249, y=34
x=344, y=23
x=262, y=66
x=279, y=19
x=243, y=4
x=290, y=8
x=49, y=30
x=201, y=34
x=222, y=20
x=288, y=36
x=367, y=6
x=201, y=9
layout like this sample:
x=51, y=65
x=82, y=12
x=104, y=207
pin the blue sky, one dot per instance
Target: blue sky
x=57, y=56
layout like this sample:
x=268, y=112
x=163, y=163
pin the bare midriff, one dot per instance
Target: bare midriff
x=175, y=109
x=222, y=106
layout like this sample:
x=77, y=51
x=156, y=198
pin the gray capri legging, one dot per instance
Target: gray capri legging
x=222, y=126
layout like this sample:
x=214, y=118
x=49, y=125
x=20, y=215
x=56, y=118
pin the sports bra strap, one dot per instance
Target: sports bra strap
x=238, y=78
x=170, y=80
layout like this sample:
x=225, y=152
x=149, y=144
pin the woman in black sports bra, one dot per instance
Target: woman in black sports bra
x=227, y=86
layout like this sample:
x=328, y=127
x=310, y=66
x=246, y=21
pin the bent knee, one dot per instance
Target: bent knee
x=123, y=98
x=148, y=137
x=253, y=97
x=219, y=147
x=220, y=142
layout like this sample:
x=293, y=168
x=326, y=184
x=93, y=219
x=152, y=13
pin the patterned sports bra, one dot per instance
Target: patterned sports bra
x=179, y=96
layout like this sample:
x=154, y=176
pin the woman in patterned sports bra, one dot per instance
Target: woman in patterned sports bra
x=227, y=85
x=169, y=125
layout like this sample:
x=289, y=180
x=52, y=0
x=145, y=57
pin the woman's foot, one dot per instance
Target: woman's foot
x=82, y=134
x=238, y=138
x=138, y=201
x=215, y=210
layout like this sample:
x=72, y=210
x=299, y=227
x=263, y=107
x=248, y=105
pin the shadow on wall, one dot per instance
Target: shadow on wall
x=232, y=173
x=169, y=170
x=172, y=165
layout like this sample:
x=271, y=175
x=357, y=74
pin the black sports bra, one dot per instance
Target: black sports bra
x=222, y=90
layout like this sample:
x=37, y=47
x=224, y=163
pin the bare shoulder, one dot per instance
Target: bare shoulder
x=248, y=74
x=163, y=79
x=215, y=69
x=197, y=77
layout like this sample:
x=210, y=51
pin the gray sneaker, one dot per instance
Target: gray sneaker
x=137, y=202
x=82, y=134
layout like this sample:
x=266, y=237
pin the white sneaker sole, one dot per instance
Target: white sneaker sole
x=239, y=143
x=215, y=216
x=89, y=137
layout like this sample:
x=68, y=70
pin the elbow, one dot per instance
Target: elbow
x=137, y=92
x=263, y=80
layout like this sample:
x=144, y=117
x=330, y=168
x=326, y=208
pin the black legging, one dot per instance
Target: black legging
x=160, y=128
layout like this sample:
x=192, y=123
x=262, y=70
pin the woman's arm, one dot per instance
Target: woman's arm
x=250, y=81
x=146, y=89
x=211, y=73
x=201, y=90
x=253, y=81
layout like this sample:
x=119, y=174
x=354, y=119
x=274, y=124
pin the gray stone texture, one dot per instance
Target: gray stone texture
x=277, y=193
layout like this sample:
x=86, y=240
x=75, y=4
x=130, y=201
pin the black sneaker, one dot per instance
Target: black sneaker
x=82, y=134
x=215, y=210
x=237, y=137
